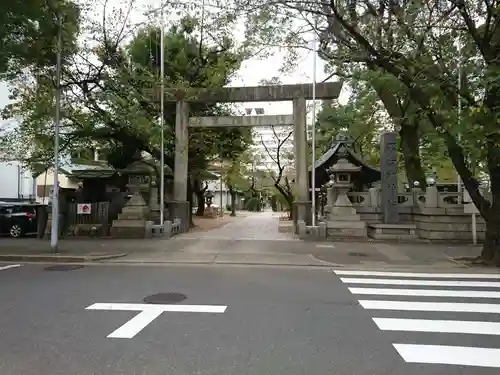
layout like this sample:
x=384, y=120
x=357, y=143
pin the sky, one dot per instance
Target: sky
x=250, y=74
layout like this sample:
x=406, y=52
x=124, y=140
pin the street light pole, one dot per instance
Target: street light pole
x=313, y=135
x=54, y=233
x=162, y=116
x=459, y=107
x=221, y=181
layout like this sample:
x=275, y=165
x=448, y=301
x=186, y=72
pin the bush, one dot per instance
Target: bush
x=274, y=203
x=253, y=204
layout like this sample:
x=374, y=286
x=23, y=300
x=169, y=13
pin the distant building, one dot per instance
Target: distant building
x=266, y=144
x=17, y=182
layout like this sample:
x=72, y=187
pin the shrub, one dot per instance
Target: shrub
x=253, y=204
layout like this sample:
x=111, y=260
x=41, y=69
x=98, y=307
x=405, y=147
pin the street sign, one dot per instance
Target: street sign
x=83, y=209
x=148, y=313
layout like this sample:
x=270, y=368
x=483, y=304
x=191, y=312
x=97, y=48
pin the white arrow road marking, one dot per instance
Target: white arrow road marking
x=9, y=266
x=135, y=325
x=148, y=313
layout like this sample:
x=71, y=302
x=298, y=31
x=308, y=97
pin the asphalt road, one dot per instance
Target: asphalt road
x=276, y=321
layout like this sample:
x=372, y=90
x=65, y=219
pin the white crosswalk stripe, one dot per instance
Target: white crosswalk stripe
x=435, y=293
x=3, y=268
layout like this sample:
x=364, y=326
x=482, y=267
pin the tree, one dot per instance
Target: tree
x=29, y=29
x=236, y=178
x=282, y=161
x=360, y=119
x=191, y=63
x=107, y=104
x=415, y=44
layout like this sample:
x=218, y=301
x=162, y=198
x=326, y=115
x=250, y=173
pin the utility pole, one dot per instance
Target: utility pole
x=162, y=117
x=313, y=135
x=54, y=235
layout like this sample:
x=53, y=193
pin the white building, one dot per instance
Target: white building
x=16, y=182
x=269, y=144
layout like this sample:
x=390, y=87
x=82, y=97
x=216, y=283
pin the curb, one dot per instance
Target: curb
x=221, y=263
x=458, y=262
x=59, y=258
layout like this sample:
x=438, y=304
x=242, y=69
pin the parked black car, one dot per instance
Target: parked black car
x=18, y=219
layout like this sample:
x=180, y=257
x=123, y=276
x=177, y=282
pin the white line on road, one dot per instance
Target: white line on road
x=430, y=306
x=148, y=313
x=419, y=274
x=136, y=324
x=480, y=284
x=441, y=326
x=449, y=355
x=9, y=266
x=143, y=306
x=425, y=292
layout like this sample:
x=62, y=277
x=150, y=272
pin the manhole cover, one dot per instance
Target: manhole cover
x=64, y=267
x=165, y=298
x=358, y=255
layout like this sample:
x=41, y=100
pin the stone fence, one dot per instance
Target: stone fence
x=169, y=229
x=437, y=216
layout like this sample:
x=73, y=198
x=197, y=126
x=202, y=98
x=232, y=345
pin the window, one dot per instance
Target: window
x=6, y=210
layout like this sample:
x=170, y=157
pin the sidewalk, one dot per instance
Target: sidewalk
x=248, y=239
x=70, y=250
x=394, y=254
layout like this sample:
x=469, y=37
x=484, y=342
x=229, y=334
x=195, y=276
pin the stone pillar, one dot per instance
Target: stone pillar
x=389, y=181
x=374, y=196
x=431, y=197
x=302, y=203
x=331, y=197
x=153, y=198
x=180, y=205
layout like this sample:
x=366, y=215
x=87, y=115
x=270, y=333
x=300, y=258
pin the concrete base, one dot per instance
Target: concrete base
x=309, y=232
x=397, y=232
x=129, y=229
x=350, y=218
x=301, y=210
x=179, y=210
x=345, y=229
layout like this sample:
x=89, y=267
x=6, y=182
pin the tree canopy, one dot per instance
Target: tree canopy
x=106, y=104
x=29, y=29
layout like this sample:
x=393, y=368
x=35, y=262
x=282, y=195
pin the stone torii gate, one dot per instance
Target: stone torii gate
x=297, y=93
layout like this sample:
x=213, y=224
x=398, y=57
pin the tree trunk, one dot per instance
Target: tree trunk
x=410, y=139
x=190, y=200
x=200, y=196
x=233, y=200
x=287, y=195
x=491, y=246
x=410, y=146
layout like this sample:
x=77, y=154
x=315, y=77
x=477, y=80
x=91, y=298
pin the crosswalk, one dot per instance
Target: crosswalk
x=474, y=298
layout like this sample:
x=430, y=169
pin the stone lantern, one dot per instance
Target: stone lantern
x=341, y=174
x=208, y=198
x=343, y=220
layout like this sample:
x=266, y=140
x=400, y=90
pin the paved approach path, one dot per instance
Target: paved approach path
x=250, y=226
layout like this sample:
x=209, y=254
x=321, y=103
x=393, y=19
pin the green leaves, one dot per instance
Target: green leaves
x=28, y=32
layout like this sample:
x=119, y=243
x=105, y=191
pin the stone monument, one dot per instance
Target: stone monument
x=343, y=220
x=131, y=222
x=389, y=180
x=390, y=228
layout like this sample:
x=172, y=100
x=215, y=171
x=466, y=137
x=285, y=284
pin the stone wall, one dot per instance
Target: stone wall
x=446, y=224
x=437, y=216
